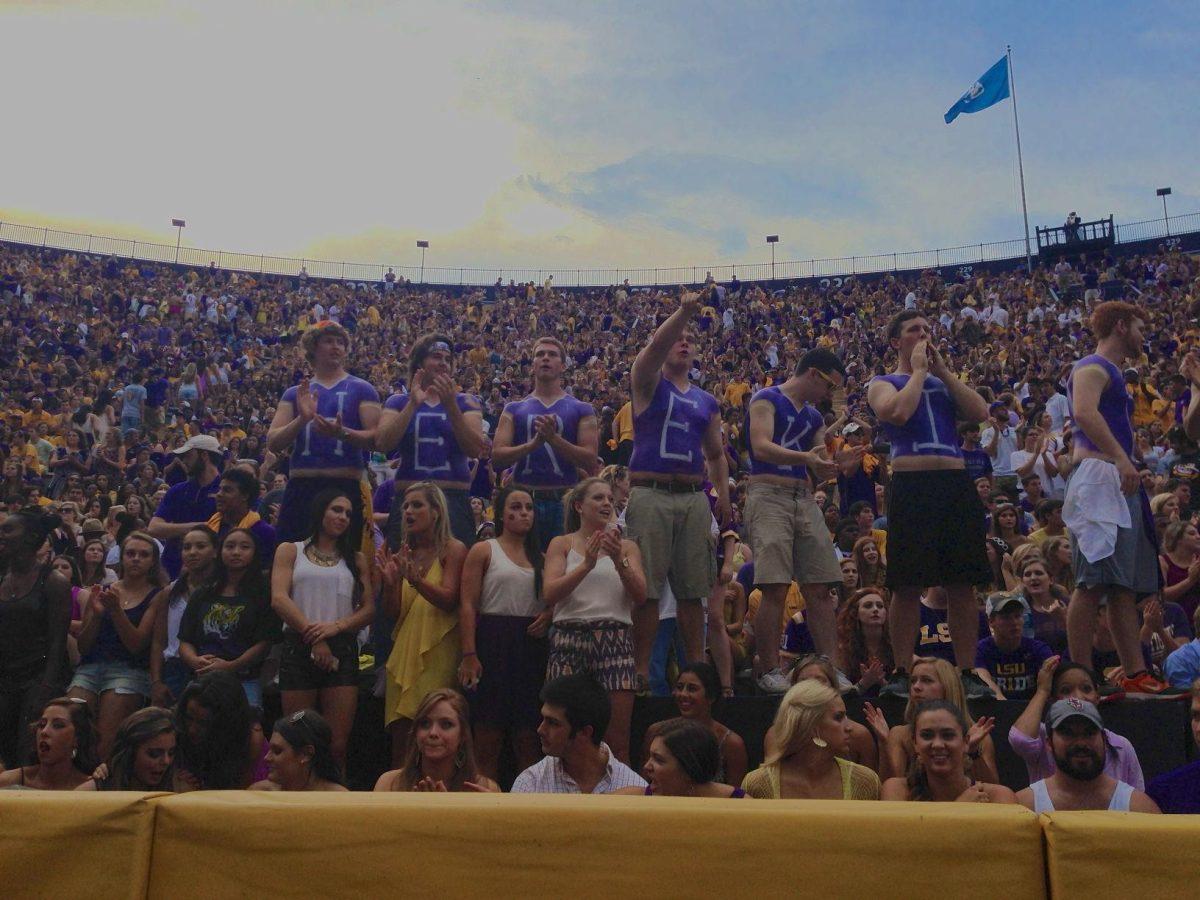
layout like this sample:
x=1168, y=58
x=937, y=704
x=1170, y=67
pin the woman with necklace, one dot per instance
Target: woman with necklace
x=321, y=589
x=937, y=772
x=421, y=592
x=113, y=676
x=35, y=612
x=329, y=423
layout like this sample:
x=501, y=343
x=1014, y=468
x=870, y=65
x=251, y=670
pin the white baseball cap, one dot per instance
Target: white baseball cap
x=199, y=442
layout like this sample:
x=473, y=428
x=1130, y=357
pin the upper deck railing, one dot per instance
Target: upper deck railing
x=964, y=254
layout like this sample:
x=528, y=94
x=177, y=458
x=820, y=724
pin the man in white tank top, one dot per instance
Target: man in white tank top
x=1077, y=742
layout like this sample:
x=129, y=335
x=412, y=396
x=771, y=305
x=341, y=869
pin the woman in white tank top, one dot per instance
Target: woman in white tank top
x=320, y=588
x=594, y=579
x=502, y=627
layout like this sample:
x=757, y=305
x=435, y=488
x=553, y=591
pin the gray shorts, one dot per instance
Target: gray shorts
x=674, y=533
x=788, y=536
x=1134, y=561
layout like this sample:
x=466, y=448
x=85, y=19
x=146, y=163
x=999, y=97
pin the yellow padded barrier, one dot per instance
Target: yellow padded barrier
x=451, y=845
x=69, y=844
x=1095, y=855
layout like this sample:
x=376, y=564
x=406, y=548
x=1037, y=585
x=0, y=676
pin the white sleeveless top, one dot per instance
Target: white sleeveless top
x=1043, y=804
x=507, y=589
x=599, y=597
x=323, y=594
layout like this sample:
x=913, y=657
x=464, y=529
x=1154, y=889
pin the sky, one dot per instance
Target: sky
x=581, y=135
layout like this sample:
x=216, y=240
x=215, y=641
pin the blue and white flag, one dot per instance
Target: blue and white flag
x=990, y=89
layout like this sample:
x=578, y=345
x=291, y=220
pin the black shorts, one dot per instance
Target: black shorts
x=514, y=668
x=297, y=671
x=936, y=533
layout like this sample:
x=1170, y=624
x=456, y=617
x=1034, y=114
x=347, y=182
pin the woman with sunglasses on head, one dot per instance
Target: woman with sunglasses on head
x=440, y=756
x=66, y=749
x=321, y=589
x=806, y=759
x=502, y=629
x=228, y=625
x=437, y=430
x=168, y=672
x=300, y=756
x=861, y=746
x=329, y=423
x=142, y=756
x=35, y=615
x=938, y=771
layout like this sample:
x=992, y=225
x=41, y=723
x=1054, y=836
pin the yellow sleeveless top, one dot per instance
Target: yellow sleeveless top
x=425, y=653
x=858, y=782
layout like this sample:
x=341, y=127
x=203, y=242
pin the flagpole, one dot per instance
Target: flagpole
x=1012, y=89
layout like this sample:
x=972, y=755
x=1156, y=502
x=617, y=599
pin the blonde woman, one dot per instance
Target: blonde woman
x=593, y=582
x=812, y=733
x=421, y=591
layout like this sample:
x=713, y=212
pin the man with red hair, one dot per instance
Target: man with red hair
x=1113, y=547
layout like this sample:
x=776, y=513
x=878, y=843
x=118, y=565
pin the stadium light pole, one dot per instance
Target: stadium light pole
x=178, y=224
x=424, y=245
x=1165, y=193
x=772, y=239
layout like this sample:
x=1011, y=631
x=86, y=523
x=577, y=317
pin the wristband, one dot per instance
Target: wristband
x=470, y=653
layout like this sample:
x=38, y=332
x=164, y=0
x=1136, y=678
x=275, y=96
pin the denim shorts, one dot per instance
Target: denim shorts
x=114, y=675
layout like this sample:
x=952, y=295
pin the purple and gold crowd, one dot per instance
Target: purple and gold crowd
x=501, y=515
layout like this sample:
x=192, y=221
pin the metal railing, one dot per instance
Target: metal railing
x=966, y=254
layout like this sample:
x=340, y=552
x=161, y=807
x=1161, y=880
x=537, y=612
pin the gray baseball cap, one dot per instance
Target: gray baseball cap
x=1069, y=708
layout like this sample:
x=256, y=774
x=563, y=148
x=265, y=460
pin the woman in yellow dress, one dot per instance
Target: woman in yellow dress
x=420, y=588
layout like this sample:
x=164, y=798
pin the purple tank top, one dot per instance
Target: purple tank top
x=932, y=428
x=311, y=450
x=668, y=435
x=428, y=448
x=1115, y=404
x=543, y=467
x=795, y=428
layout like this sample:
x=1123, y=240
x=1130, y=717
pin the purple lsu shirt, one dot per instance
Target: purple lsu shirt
x=931, y=430
x=668, y=435
x=1115, y=404
x=795, y=428
x=542, y=466
x=311, y=450
x=428, y=448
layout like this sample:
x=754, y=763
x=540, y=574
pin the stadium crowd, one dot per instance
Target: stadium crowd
x=507, y=512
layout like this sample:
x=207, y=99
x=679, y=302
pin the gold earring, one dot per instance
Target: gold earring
x=819, y=742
